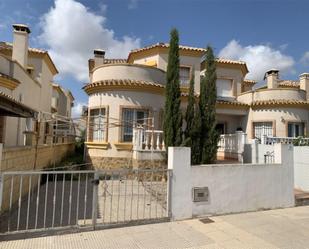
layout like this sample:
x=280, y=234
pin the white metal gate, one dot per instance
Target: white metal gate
x=50, y=200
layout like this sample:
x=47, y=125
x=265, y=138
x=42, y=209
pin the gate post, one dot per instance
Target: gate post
x=180, y=190
x=95, y=183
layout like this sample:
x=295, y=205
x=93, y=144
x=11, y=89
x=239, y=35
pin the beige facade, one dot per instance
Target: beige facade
x=26, y=75
x=62, y=101
x=124, y=92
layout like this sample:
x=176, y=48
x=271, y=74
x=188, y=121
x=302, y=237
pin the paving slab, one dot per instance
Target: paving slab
x=281, y=228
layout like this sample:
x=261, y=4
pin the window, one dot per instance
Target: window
x=224, y=88
x=97, y=125
x=131, y=118
x=184, y=75
x=262, y=128
x=30, y=71
x=296, y=129
x=29, y=124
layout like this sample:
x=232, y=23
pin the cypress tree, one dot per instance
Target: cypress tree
x=172, y=114
x=189, y=118
x=208, y=97
x=193, y=125
x=195, y=137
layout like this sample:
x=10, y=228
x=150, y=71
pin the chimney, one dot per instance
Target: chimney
x=20, y=44
x=304, y=83
x=272, y=78
x=99, y=55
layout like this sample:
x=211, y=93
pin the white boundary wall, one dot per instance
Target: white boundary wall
x=301, y=167
x=255, y=153
x=232, y=188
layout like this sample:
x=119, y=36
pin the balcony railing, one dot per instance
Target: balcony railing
x=152, y=140
x=285, y=140
x=148, y=140
x=232, y=143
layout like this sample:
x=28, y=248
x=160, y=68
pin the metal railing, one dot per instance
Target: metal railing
x=269, y=157
x=286, y=140
x=48, y=200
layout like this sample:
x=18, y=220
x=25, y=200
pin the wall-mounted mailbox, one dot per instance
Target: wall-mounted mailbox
x=200, y=194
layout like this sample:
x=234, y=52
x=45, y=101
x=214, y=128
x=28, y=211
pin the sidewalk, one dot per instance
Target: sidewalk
x=281, y=228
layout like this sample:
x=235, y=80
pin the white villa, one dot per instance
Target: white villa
x=126, y=101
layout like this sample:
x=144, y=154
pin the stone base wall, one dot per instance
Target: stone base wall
x=22, y=159
x=125, y=163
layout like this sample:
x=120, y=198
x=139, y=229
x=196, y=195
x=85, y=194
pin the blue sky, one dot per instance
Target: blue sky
x=266, y=34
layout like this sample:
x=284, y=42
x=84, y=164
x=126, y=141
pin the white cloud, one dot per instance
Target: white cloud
x=133, y=4
x=259, y=58
x=305, y=59
x=102, y=8
x=72, y=31
x=77, y=109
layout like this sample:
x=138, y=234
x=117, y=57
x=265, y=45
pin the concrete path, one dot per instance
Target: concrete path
x=282, y=228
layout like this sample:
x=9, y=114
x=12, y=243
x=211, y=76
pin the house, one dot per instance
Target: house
x=26, y=79
x=126, y=101
x=29, y=74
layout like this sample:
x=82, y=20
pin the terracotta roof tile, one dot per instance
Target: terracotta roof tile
x=249, y=82
x=9, y=46
x=233, y=103
x=166, y=45
x=115, y=61
x=11, y=98
x=226, y=102
x=2, y=75
x=227, y=61
x=289, y=83
x=122, y=82
x=279, y=102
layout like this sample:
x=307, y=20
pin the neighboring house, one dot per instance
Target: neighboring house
x=126, y=101
x=26, y=75
x=62, y=103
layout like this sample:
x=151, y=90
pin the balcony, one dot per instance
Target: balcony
x=148, y=144
x=231, y=146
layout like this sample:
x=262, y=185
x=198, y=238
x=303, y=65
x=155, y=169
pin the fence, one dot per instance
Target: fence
x=50, y=200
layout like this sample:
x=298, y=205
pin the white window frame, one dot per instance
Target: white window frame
x=185, y=82
x=222, y=90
